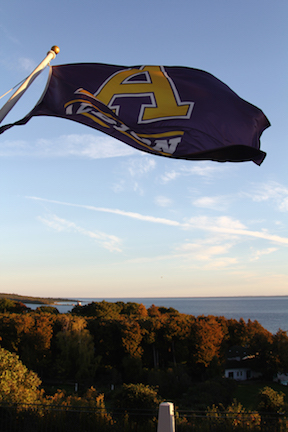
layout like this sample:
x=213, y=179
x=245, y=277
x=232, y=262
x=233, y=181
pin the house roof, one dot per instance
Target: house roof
x=248, y=363
x=237, y=351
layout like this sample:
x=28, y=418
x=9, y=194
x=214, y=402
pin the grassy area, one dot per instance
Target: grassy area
x=247, y=392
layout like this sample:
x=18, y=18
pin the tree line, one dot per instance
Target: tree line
x=142, y=352
x=125, y=342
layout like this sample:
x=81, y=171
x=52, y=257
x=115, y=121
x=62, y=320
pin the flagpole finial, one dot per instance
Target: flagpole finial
x=55, y=49
x=16, y=96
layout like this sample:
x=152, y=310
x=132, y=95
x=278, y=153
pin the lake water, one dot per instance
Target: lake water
x=270, y=312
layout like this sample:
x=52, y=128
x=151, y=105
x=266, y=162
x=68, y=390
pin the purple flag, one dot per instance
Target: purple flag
x=177, y=112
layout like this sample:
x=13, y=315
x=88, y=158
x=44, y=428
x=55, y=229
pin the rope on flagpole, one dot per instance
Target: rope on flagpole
x=27, y=82
x=17, y=85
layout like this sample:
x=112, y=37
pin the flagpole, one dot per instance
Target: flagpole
x=19, y=92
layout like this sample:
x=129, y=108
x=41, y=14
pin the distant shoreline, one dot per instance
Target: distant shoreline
x=35, y=300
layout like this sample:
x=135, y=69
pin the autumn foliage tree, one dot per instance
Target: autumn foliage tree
x=127, y=343
x=206, y=339
x=28, y=335
x=17, y=383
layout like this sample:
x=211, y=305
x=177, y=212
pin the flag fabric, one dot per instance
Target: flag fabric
x=177, y=112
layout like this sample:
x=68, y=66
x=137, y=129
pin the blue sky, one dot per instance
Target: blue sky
x=83, y=215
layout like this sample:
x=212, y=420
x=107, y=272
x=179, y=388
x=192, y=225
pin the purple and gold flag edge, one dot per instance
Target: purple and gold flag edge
x=238, y=153
x=115, y=127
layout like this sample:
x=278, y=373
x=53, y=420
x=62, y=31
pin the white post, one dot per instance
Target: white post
x=19, y=92
x=166, y=420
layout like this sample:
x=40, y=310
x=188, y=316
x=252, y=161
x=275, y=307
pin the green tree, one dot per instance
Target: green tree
x=47, y=309
x=76, y=349
x=270, y=400
x=237, y=332
x=152, y=342
x=169, y=311
x=140, y=402
x=280, y=350
x=137, y=396
x=17, y=383
x=260, y=343
x=176, y=331
x=10, y=337
x=6, y=305
x=103, y=309
x=10, y=306
x=107, y=341
x=133, y=309
x=232, y=418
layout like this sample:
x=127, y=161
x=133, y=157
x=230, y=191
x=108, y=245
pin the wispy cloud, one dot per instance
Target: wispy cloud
x=108, y=241
x=227, y=225
x=163, y=201
x=169, y=176
x=217, y=224
x=133, y=170
x=203, y=169
x=257, y=254
x=132, y=215
x=206, y=254
x=210, y=252
x=223, y=224
x=219, y=203
x=271, y=191
x=140, y=166
x=84, y=146
x=25, y=64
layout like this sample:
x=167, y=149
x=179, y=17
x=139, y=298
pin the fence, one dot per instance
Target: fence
x=47, y=418
x=209, y=421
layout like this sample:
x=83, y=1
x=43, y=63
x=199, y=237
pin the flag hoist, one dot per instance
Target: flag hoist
x=21, y=90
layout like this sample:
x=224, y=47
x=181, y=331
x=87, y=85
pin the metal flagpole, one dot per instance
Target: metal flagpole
x=19, y=92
